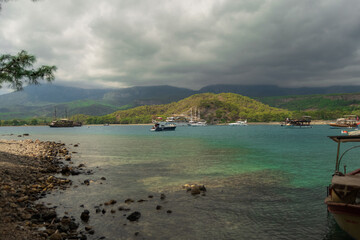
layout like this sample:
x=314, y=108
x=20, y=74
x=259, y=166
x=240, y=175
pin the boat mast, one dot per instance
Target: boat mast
x=54, y=113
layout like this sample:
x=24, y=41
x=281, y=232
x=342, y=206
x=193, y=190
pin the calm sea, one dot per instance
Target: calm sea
x=263, y=182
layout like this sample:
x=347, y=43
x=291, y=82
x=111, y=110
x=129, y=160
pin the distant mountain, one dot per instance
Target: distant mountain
x=48, y=93
x=272, y=90
x=40, y=101
x=151, y=95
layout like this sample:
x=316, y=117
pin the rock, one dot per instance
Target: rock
x=158, y=207
x=129, y=200
x=112, y=211
x=195, y=190
x=22, y=199
x=169, y=211
x=67, y=158
x=202, y=188
x=56, y=236
x=103, y=211
x=162, y=196
x=150, y=196
x=142, y=200
x=88, y=228
x=111, y=202
x=85, y=215
x=103, y=178
x=134, y=216
x=121, y=208
x=87, y=182
x=49, y=215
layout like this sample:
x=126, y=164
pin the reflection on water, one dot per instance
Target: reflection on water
x=264, y=182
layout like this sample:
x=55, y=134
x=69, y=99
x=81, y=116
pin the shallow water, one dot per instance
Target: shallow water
x=263, y=182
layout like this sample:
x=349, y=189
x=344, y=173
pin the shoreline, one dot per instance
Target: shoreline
x=313, y=122
x=27, y=170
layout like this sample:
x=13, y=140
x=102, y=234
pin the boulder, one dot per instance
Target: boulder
x=134, y=216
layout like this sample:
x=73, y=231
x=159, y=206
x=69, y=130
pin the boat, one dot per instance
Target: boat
x=343, y=198
x=348, y=121
x=62, y=123
x=196, y=120
x=197, y=124
x=239, y=123
x=304, y=122
x=163, y=127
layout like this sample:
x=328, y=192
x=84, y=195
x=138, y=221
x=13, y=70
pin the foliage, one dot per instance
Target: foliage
x=17, y=70
x=214, y=108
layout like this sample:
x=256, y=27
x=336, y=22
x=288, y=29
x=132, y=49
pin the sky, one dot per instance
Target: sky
x=187, y=43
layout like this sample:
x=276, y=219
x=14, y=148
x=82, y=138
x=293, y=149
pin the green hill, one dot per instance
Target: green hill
x=214, y=108
x=325, y=106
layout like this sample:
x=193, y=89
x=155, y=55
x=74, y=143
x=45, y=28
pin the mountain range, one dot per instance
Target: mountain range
x=42, y=100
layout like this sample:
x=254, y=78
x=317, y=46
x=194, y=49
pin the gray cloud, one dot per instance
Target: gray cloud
x=187, y=43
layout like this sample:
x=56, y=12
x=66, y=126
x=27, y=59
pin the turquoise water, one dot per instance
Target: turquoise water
x=263, y=182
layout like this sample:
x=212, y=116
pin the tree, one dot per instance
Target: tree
x=17, y=70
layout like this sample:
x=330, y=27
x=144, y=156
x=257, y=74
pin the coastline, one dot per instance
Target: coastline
x=27, y=170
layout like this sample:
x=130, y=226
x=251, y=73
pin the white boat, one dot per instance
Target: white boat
x=239, y=123
x=196, y=121
x=197, y=124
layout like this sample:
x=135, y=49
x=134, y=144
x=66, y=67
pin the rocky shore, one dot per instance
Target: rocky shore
x=27, y=170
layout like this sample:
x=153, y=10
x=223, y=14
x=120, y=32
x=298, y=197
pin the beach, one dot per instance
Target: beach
x=26, y=175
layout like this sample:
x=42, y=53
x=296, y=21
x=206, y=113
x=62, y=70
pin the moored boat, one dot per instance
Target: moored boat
x=304, y=122
x=65, y=123
x=62, y=123
x=343, y=200
x=163, y=127
x=239, y=123
x=348, y=121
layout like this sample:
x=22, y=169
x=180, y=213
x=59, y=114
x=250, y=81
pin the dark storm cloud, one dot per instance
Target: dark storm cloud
x=189, y=43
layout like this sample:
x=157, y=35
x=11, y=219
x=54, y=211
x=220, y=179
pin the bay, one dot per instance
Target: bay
x=263, y=181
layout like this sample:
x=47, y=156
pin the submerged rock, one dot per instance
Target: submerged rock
x=85, y=215
x=134, y=216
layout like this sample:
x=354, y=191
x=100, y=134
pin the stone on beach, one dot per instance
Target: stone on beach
x=134, y=216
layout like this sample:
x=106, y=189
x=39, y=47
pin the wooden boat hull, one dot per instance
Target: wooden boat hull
x=347, y=216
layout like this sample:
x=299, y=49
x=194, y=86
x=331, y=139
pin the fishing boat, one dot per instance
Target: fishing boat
x=304, y=122
x=163, y=127
x=348, y=121
x=343, y=200
x=239, y=123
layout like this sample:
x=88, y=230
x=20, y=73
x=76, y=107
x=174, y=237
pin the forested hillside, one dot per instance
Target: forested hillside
x=328, y=106
x=214, y=108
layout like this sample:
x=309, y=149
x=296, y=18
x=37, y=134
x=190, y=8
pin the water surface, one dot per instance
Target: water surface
x=263, y=182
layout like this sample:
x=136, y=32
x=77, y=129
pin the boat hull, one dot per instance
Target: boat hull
x=158, y=129
x=347, y=217
x=336, y=125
